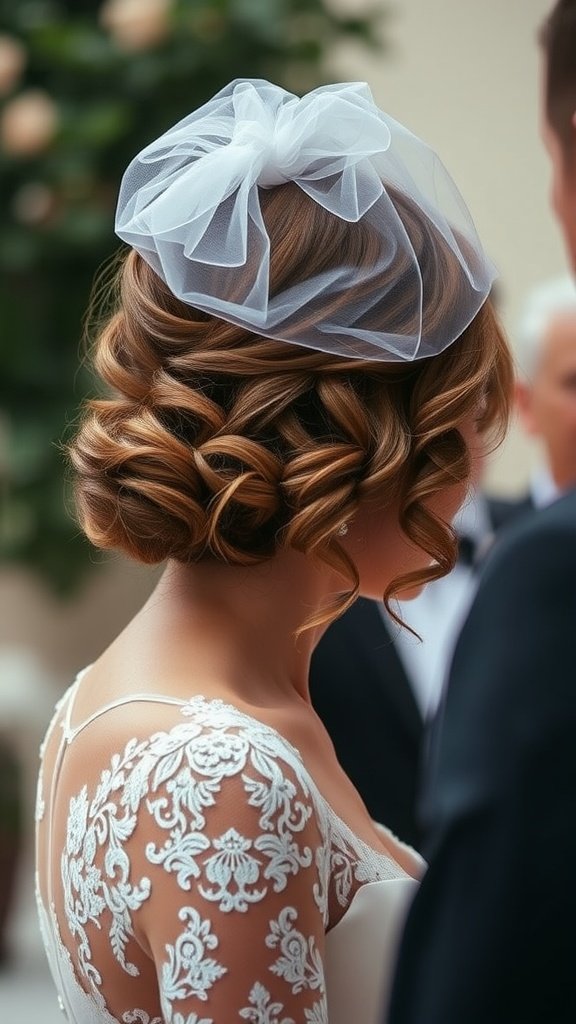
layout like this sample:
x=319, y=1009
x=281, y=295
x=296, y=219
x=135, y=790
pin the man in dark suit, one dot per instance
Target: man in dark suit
x=546, y=385
x=365, y=680
x=362, y=693
x=491, y=936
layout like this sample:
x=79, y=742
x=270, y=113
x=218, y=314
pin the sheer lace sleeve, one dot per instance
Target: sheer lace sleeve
x=189, y=872
x=229, y=839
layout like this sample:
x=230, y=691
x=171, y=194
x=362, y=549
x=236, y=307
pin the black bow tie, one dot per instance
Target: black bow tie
x=471, y=552
x=467, y=552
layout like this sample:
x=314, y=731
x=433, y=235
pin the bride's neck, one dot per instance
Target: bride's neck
x=243, y=621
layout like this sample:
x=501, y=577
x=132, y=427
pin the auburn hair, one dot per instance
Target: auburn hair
x=216, y=443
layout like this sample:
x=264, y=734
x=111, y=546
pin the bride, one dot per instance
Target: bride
x=302, y=365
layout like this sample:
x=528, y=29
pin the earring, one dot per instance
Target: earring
x=343, y=530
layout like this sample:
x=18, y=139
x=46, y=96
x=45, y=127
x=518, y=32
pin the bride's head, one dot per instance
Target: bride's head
x=223, y=442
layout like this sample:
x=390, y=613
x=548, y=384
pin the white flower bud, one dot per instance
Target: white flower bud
x=28, y=123
x=12, y=63
x=136, y=24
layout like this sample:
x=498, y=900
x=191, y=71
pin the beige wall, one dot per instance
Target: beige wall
x=463, y=74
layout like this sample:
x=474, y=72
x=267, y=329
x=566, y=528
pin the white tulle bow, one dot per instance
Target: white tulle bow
x=190, y=204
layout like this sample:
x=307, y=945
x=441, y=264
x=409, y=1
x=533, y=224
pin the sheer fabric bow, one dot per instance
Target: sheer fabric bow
x=191, y=204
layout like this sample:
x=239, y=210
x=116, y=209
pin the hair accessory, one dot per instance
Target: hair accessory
x=343, y=530
x=191, y=204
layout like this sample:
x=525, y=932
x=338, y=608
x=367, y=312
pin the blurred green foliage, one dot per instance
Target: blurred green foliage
x=99, y=80
x=11, y=811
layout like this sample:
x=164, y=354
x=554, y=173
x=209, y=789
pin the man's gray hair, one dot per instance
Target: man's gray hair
x=542, y=305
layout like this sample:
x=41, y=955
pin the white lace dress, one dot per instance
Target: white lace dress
x=192, y=873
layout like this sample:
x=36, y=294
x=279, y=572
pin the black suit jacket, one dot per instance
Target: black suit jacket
x=359, y=688
x=505, y=512
x=491, y=936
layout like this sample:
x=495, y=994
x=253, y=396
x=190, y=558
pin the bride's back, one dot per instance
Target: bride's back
x=133, y=801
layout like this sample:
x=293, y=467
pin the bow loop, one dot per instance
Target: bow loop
x=190, y=204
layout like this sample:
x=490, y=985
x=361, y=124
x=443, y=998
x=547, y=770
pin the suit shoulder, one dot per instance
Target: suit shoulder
x=504, y=512
x=543, y=540
x=520, y=629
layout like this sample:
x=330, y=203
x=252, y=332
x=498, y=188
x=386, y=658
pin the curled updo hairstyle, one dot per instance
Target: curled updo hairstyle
x=217, y=443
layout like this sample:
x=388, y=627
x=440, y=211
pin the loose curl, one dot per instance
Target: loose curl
x=218, y=443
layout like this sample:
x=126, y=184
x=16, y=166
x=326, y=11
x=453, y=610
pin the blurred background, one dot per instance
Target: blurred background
x=84, y=84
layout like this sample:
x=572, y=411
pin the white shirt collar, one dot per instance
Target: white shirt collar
x=473, y=519
x=543, y=488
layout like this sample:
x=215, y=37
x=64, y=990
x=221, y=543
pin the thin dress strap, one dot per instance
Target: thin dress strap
x=70, y=732
x=156, y=698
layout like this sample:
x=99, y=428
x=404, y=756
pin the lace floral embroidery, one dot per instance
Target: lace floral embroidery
x=189, y=972
x=299, y=962
x=88, y=891
x=232, y=863
x=263, y=1011
x=139, y=1017
x=175, y=779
